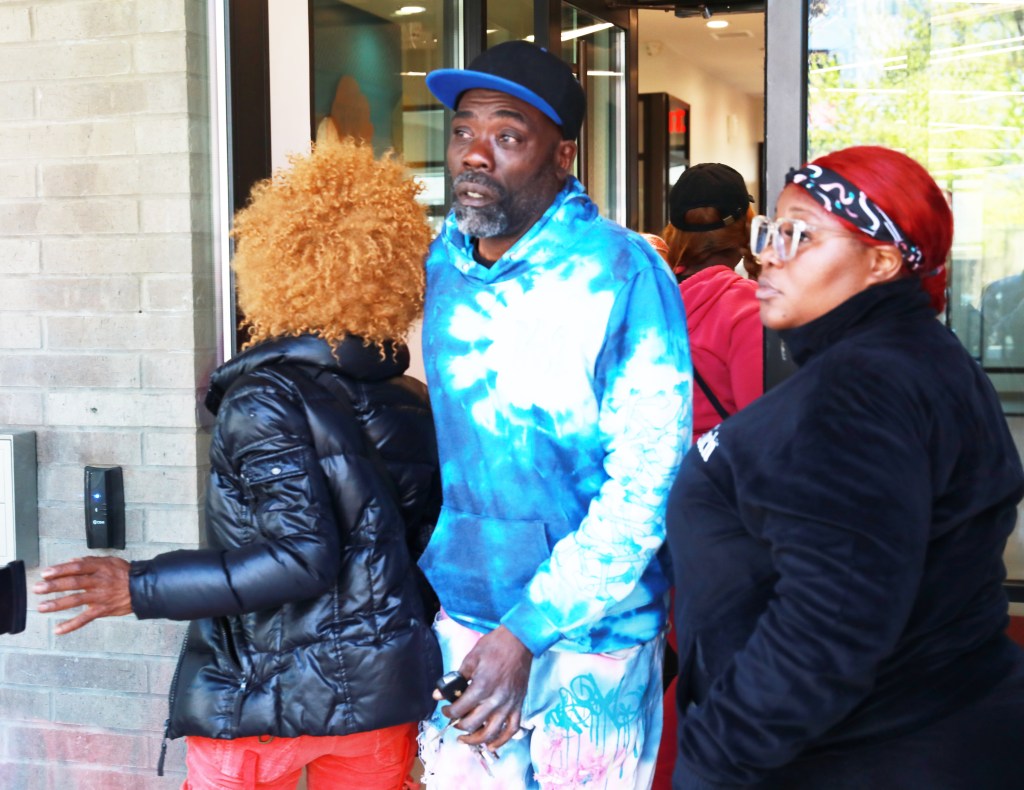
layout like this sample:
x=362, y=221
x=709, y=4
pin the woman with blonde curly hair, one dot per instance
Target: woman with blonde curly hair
x=309, y=646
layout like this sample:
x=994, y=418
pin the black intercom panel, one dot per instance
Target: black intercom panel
x=13, y=597
x=104, y=507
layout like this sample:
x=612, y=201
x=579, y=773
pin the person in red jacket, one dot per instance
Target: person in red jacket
x=706, y=239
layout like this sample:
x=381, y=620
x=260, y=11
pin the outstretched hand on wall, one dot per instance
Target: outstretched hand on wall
x=100, y=584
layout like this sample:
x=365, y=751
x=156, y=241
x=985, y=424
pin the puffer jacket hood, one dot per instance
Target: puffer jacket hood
x=351, y=357
x=306, y=614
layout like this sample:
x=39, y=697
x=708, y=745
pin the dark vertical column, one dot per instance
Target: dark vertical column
x=547, y=24
x=452, y=26
x=632, y=163
x=653, y=170
x=475, y=30
x=785, y=132
x=248, y=106
x=249, y=86
x=586, y=142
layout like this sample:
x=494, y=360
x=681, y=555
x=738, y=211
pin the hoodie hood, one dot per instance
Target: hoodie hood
x=350, y=357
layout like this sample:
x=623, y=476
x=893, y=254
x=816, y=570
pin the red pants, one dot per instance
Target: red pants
x=375, y=760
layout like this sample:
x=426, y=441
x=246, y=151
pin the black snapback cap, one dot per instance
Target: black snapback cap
x=520, y=69
x=708, y=185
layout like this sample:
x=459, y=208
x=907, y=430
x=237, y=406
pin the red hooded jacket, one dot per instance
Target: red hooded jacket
x=726, y=342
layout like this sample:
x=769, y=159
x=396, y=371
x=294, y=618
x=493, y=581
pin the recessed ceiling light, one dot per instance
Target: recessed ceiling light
x=406, y=10
x=717, y=23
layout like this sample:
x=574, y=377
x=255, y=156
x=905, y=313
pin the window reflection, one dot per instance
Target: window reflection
x=943, y=81
x=370, y=61
x=597, y=51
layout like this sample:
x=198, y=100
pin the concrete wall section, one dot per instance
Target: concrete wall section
x=107, y=336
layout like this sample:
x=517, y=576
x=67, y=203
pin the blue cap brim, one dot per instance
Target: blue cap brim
x=448, y=84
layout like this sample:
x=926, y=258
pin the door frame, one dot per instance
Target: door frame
x=785, y=130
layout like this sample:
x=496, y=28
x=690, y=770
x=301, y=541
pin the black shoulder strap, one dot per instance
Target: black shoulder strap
x=710, y=395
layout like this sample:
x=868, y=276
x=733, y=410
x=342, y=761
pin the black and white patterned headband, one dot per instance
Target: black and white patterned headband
x=841, y=198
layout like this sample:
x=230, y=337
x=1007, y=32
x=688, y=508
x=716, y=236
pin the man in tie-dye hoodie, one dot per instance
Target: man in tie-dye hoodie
x=559, y=372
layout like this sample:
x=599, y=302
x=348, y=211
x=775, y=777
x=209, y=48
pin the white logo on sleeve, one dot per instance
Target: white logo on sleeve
x=707, y=443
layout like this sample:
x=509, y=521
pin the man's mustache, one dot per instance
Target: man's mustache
x=481, y=179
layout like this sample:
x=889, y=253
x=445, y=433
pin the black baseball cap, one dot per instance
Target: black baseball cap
x=520, y=69
x=708, y=185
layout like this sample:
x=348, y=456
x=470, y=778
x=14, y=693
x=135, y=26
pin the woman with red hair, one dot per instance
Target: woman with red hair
x=837, y=544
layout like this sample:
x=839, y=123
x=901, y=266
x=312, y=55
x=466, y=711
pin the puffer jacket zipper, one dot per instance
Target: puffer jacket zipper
x=231, y=644
x=231, y=639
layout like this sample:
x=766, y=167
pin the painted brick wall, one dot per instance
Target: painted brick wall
x=107, y=333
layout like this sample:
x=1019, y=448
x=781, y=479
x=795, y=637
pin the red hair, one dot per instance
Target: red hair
x=911, y=198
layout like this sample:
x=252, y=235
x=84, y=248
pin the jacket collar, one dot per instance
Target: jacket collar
x=570, y=205
x=900, y=299
x=350, y=358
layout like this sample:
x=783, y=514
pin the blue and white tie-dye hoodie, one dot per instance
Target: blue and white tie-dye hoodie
x=560, y=383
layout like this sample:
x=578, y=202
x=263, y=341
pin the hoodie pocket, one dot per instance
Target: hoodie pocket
x=480, y=566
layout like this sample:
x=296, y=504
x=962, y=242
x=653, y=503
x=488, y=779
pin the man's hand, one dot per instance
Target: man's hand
x=102, y=585
x=491, y=708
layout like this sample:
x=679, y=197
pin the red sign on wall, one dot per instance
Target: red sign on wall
x=677, y=121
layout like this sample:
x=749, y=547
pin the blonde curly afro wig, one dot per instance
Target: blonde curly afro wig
x=332, y=246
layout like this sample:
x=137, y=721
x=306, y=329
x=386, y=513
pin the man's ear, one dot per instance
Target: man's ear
x=886, y=263
x=565, y=154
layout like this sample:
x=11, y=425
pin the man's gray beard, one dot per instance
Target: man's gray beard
x=481, y=222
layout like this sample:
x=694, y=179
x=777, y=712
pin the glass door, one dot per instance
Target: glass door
x=369, y=62
x=944, y=82
x=597, y=50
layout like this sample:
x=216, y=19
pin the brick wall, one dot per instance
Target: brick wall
x=107, y=333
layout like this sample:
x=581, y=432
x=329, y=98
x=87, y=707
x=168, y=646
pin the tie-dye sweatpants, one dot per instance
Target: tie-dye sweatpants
x=590, y=720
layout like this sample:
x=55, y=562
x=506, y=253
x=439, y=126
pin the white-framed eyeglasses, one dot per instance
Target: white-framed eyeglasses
x=785, y=235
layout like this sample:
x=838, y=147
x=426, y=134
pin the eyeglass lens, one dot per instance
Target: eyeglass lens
x=783, y=235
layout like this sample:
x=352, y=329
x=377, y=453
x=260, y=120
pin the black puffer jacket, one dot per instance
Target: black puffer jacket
x=307, y=617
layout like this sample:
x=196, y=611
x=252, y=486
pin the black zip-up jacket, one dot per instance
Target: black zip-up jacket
x=306, y=614
x=837, y=548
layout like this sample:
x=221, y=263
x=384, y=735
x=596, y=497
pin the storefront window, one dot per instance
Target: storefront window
x=370, y=61
x=596, y=49
x=944, y=82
